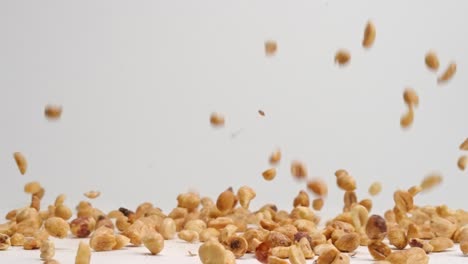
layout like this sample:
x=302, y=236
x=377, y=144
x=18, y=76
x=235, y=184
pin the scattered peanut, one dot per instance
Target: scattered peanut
x=270, y=47
x=212, y=252
x=238, y=245
x=4, y=242
x=410, y=97
x=154, y=242
x=464, y=145
x=269, y=174
x=462, y=162
x=317, y=204
x=296, y=256
x=47, y=250
x=57, y=227
x=53, y=111
x=379, y=250
x=226, y=200
x=275, y=157
x=298, y=170
x=448, y=73
x=407, y=119
x=188, y=235
x=375, y=188
x=17, y=240
x=431, y=181
x=369, y=35
x=32, y=187
x=21, y=162
x=168, y=228
x=432, y=61
x=245, y=195
x=92, y=194
x=318, y=187
x=441, y=243
x=217, y=120
x=342, y=57
x=376, y=228
x=83, y=254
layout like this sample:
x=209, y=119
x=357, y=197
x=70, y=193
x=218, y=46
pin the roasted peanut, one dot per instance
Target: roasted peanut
x=448, y=73
x=304, y=245
x=63, y=212
x=21, y=162
x=275, y=157
x=375, y=188
x=92, y=194
x=296, y=256
x=57, y=227
x=318, y=187
x=414, y=255
x=462, y=162
x=347, y=242
x=208, y=233
x=426, y=246
x=302, y=199
x=430, y=181
x=298, y=170
x=245, y=194
x=317, y=204
x=217, y=120
x=270, y=47
x=342, y=57
x=52, y=111
x=226, y=200
x=269, y=174
x=376, y=228
x=345, y=181
x=238, y=245
x=369, y=35
x=83, y=254
x=82, y=226
x=410, y=97
x=31, y=243
x=4, y=242
x=276, y=260
x=17, y=240
x=188, y=235
x=403, y=200
x=103, y=239
x=407, y=119
x=47, y=250
x=189, y=200
x=432, y=61
x=32, y=187
x=120, y=242
x=212, y=252
x=154, y=242
x=379, y=250
x=464, y=145
x=441, y=243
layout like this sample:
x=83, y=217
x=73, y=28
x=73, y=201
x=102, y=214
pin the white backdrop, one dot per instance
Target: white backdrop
x=139, y=79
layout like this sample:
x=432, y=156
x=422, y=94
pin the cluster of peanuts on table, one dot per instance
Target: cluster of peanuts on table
x=228, y=228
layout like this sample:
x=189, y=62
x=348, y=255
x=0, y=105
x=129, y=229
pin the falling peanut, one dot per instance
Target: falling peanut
x=342, y=57
x=217, y=120
x=407, y=119
x=270, y=47
x=464, y=145
x=432, y=61
x=411, y=97
x=21, y=162
x=462, y=162
x=369, y=35
x=53, y=112
x=448, y=73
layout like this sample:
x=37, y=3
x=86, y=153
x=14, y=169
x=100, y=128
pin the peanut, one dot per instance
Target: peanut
x=342, y=57
x=432, y=61
x=245, y=194
x=410, y=97
x=120, y=241
x=441, y=244
x=212, y=252
x=296, y=256
x=52, y=111
x=217, y=120
x=103, y=239
x=188, y=235
x=226, y=200
x=317, y=204
x=154, y=242
x=237, y=245
x=83, y=254
x=168, y=228
x=4, y=242
x=276, y=260
x=376, y=228
x=17, y=240
x=275, y=157
x=379, y=250
x=302, y=199
x=318, y=187
x=464, y=145
x=431, y=181
x=21, y=162
x=369, y=35
x=348, y=242
x=407, y=119
x=63, y=212
x=375, y=188
x=47, y=250
x=298, y=170
x=448, y=73
x=82, y=226
x=92, y=194
x=345, y=181
x=271, y=47
x=31, y=243
x=462, y=162
x=57, y=227
x=269, y=174
x=32, y=187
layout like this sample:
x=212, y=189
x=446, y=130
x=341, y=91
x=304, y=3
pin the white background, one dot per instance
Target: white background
x=139, y=79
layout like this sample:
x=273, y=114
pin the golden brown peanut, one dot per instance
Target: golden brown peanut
x=168, y=228
x=269, y=174
x=379, y=250
x=220, y=222
x=31, y=243
x=349, y=199
x=57, y=227
x=347, y=242
x=317, y=204
x=346, y=182
x=414, y=255
x=47, y=250
x=375, y=188
x=245, y=195
x=403, y=200
x=332, y=256
x=318, y=187
x=342, y=57
x=276, y=260
x=60, y=199
x=407, y=119
x=21, y=162
x=413, y=231
x=305, y=247
x=51, y=261
x=462, y=162
x=102, y=239
x=32, y=187
x=369, y=35
x=189, y=200
x=83, y=254
x=52, y=111
x=217, y=120
x=426, y=246
x=464, y=145
x=226, y=200
x=120, y=242
x=227, y=232
x=104, y=221
x=414, y=190
x=188, y=235
x=432, y=61
x=367, y=203
x=63, y=212
x=237, y=245
x=261, y=112
x=208, y=233
x=82, y=226
x=441, y=243
x=442, y=227
x=430, y=181
x=464, y=246
x=17, y=240
x=298, y=170
x=92, y=194
x=302, y=199
x=270, y=47
x=5, y=242
x=359, y=216
x=275, y=157
x=212, y=252
x=410, y=97
x=196, y=225
x=154, y=242
x=448, y=73
x=296, y=256
x=376, y=228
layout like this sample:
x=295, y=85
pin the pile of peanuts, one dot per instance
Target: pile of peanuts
x=227, y=227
